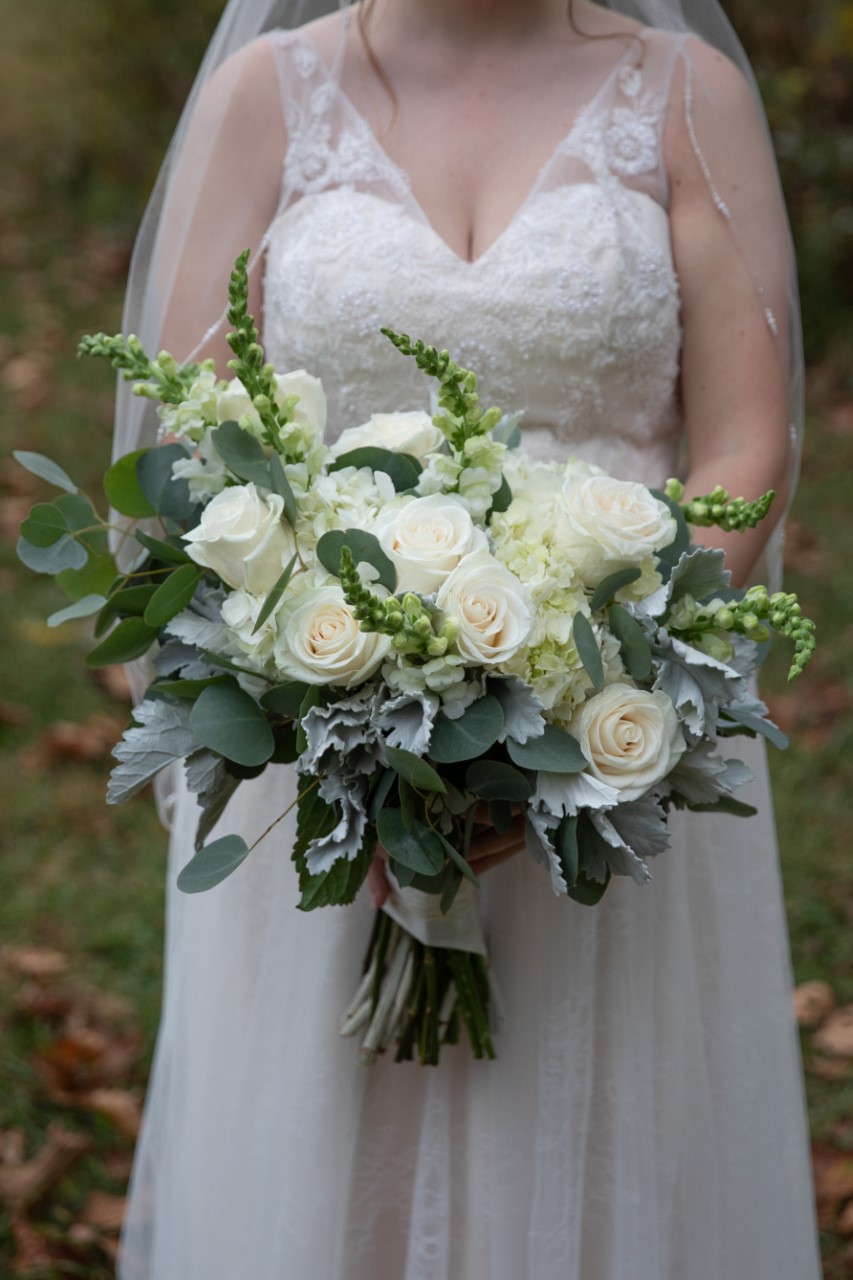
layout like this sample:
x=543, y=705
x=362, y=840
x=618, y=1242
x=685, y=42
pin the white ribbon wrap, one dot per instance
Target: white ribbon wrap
x=420, y=915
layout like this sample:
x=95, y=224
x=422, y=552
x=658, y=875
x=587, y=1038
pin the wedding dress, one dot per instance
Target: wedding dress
x=644, y=1119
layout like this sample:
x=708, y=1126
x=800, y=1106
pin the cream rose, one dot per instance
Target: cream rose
x=321, y=642
x=631, y=738
x=234, y=402
x=241, y=536
x=413, y=433
x=427, y=538
x=606, y=524
x=490, y=607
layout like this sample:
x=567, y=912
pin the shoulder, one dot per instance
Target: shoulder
x=712, y=106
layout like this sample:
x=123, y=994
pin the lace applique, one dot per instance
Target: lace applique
x=325, y=150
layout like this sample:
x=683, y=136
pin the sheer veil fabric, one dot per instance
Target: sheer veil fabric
x=645, y=1117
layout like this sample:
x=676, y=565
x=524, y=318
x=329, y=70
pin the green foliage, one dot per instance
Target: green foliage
x=230, y=722
x=476, y=730
x=213, y=864
x=401, y=467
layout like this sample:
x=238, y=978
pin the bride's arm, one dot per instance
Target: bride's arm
x=732, y=270
x=222, y=198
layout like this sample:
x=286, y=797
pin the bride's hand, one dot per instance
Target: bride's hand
x=489, y=848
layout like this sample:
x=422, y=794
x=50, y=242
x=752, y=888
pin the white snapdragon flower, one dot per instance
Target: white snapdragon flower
x=427, y=538
x=631, y=738
x=205, y=472
x=413, y=433
x=320, y=641
x=191, y=418
x=242, y=537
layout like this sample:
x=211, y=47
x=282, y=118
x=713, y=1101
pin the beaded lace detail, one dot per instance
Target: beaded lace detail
x=571, y=315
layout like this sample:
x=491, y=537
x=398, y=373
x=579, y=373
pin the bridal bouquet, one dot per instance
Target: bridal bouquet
x=432, y=627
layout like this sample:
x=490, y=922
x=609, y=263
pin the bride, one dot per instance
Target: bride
x=581, y=204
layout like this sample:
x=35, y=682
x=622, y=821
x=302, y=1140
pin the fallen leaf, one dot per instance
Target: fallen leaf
x=844, y=1225
x=40, y=963
x=22, y=1184
x=836, y=1034
x=827, y=1068
x=30, y=379
x=12, y=511
x=118, y=1165
x=67, y=741
x=32, y=1252
x=12, y=1146
x=104, y=1211
x=13, y=715
x=122, y=1106
x=812, y=1002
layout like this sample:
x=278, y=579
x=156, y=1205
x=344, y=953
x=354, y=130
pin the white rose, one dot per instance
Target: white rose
x=321, y=642
x=607, y=524
x=241, y=536
x=413, y=433
x=234, y=401
x=631, y=738
x=427, y=538
x=311, y=407
x=491, y=608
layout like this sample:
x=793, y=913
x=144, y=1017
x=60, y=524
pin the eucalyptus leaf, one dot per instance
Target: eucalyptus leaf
x=281, y=486
x=285, y=699
x=45, y=469
x=242, y=454
x=494, y=780
x=129, y=640
x=588, y=650
x=458, y=859
x=276, y=592
x=213, y=864
x=94, y=578
x=555, y=751
x=380, y=793
x=173, y=595
x=502, y=498
x=417, y=772
x=168, y=496
x=402, y=468
x=129, y=602
x=164, y=552
x=670, y=555
x=230, y=722
x=80, y=609
x=364, y=546
x=500, y=816
x=636, y=651
x=508, y=431
x=588, y=892
x=190, y=689
x=476, y=730
x=67, y=553
x=607, y=588
x=44, y=525
x=121, y=485
x=417, y=847
x=726, y=804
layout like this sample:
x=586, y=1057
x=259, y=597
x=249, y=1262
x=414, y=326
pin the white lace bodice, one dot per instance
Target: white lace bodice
x=571, y=315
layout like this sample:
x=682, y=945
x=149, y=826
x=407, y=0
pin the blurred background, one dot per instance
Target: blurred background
x=89, y=94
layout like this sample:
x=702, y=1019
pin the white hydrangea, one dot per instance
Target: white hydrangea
x=349, y=498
